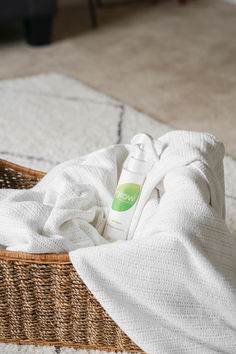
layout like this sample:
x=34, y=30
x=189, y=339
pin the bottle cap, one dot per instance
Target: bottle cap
x=143, y=154
x=145, y=144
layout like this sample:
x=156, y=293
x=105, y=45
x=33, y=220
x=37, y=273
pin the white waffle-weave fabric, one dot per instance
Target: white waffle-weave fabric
x=172, y=286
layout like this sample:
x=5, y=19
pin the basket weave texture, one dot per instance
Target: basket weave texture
x=43, y=300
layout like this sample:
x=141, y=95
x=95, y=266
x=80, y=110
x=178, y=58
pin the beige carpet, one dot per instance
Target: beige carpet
x=175, y=63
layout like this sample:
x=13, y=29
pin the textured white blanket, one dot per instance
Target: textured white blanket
x=172, y=287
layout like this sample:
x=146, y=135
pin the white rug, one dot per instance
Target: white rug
x=47, y=119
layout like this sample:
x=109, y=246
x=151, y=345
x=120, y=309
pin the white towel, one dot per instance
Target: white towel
x=172, y=286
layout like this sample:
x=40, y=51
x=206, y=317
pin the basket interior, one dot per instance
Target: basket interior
x=17, y=177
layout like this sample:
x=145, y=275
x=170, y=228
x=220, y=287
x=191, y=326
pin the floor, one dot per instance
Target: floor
x=175, y=63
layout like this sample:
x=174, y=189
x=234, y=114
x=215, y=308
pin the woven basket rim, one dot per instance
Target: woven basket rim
x=42, y=258
x=21, y=169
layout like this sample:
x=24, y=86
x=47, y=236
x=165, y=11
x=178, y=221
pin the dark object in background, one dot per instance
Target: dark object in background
x=36, y=14
x=99, y=3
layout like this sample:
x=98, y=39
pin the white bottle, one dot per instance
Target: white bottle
x=135, y=169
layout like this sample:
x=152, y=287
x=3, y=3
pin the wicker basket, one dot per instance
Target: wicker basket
x=43, y=301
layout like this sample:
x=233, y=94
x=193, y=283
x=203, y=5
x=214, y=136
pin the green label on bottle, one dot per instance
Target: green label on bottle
x=125, y=196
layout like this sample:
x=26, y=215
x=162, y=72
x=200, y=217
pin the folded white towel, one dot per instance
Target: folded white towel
x=172, y=286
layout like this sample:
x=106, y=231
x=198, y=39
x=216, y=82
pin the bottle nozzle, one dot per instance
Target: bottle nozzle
x=145, y=142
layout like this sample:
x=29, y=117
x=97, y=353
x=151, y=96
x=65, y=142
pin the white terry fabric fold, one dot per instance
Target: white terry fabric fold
x=172, y=286
x=67, y=209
